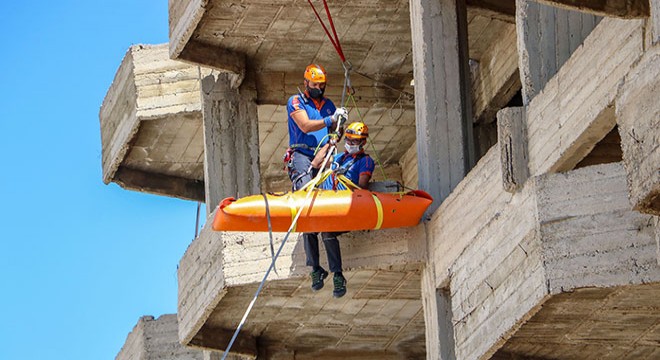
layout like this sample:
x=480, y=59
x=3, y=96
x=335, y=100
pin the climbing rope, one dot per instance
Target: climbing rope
x=310, y=189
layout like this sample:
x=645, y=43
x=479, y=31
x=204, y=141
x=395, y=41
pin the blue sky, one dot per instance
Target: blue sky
x=80, y=261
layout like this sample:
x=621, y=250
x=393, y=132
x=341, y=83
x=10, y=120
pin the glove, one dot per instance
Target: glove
x=341, y=114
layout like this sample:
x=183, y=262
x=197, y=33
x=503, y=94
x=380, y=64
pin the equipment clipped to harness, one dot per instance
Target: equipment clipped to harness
x=288, y=159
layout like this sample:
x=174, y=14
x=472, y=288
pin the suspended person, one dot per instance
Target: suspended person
x=311, y=117
x=358, y=167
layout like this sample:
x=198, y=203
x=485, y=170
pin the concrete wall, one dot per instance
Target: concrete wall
x=496, y=79
x=216, y=261
x=156, y=339
x=147, y=87
x=558, y=233
x=499, y=276
x=118, y=118
x=547, y=36
x=638, y=116
x=590, y=236
x=568, y=118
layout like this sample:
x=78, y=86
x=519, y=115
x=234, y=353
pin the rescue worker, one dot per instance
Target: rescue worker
x=357, y=166
x=311, y=117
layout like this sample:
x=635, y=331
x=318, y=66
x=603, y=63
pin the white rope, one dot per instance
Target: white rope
x=272, y=263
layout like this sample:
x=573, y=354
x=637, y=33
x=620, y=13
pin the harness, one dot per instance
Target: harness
x=343, y=169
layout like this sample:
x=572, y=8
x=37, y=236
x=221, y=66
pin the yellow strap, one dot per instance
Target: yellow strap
x=379, y=210
x=347, y=182
x=294, y=211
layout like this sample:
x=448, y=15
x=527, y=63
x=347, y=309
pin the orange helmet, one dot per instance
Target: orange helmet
x=315, y=73
x=357, y=130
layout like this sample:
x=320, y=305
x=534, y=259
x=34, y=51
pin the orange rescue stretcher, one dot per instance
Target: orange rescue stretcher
x=324, y=210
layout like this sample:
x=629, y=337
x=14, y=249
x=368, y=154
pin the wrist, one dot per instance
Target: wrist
x=327, y=121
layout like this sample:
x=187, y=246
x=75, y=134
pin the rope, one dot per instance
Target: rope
x=380, y=165
x=335, y=40
x=272, y=263
x=270, y=230
x=197, y=220
x=407, y=94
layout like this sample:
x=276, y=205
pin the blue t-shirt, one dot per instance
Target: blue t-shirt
x=356, y=164
x=314, y=112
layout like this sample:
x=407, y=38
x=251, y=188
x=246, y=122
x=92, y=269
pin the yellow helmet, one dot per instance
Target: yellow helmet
x=315, y=73
x=357, y=130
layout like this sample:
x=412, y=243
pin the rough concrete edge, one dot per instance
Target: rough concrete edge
x=657, y=237
x=640, y=204
x=183, y=29
x=187, y=334
x=132, y=123
x=137, y=331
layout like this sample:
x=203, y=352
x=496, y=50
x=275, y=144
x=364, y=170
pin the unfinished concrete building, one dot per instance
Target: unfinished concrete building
x=534, y=124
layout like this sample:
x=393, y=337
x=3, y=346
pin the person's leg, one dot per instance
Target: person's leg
x=299, y=171
x=333, y=251
x=318, y=273
x=311, y=242
x=299, y=175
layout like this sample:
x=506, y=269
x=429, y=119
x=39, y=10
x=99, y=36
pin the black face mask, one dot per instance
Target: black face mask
x=315, y=93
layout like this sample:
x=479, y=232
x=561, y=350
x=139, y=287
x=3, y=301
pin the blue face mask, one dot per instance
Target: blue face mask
x=352, y=149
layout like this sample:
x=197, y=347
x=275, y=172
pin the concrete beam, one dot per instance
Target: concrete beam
x=220, y=262
x=150, y=121
x=159, y=184
x=244, y=348
x=184, y=16
x=506, y=8
x=638, y=116
x=215, y=57
x=231, y=139
x=547, y=36
x=156, y=339
x=553, y=236
x=590, y=237
x=621, y=9
x=512, y=135
x=574, y=111
x=442, y=101
x=495, y=80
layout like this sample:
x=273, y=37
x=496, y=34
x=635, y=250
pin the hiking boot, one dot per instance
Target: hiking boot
x=340, y=286
x=317, y=279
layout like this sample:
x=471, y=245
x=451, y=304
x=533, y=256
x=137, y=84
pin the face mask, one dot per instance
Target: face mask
x=352, y=149
x=315, y=93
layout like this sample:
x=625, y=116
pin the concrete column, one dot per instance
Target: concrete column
x=442, y=98
x=512, y=135
x=231, y=139
x=547, y=36
x=655, y=21
x=437, y=319
x=657, y=237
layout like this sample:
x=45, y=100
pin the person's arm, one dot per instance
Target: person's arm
x=364, y=180
x=320, y=155
x=365, y=174
x=307, y=125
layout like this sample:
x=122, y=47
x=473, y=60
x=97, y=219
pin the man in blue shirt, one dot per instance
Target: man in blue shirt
x=357, y=166
x=311, y=117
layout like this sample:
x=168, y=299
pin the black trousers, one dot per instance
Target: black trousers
x=331, y=244
x=298, y=173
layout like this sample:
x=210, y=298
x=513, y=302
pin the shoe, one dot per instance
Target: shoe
x=317, y=279
x=340, y=286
